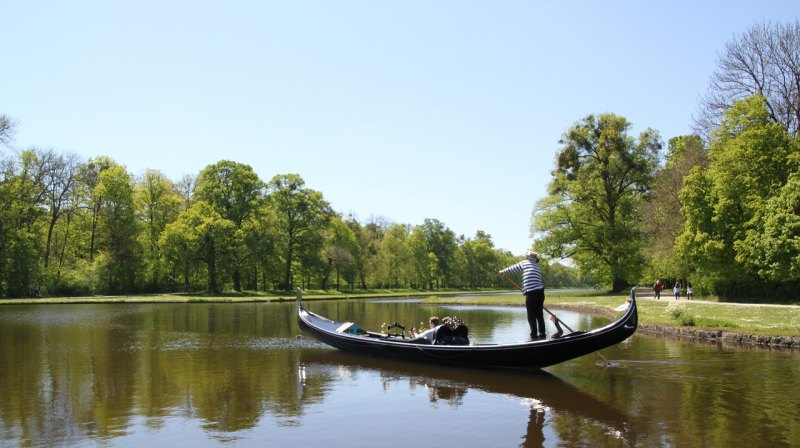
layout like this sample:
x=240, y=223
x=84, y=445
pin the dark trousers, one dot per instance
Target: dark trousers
x=534, y=303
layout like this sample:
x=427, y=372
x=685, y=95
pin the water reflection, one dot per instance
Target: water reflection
x=549, y=399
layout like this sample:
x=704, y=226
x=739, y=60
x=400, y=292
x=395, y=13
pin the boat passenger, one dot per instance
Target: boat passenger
x=427, y=335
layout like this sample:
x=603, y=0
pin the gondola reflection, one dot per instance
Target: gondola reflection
x=547, y=396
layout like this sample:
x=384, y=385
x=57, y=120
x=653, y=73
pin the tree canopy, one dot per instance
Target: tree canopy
x=591, y=214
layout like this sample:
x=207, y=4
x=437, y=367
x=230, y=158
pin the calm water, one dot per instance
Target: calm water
x=241, y=375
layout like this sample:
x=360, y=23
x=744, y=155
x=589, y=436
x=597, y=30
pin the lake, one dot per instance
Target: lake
x=190, y=375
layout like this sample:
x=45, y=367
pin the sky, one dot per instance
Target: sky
x=395, y=110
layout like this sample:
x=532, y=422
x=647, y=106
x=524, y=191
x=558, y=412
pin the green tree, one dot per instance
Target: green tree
x=394, y=261
x=301, y=213
x=201, y=235
x=89, y=199
x=369, y=237
x=725, y=206
x=236, y=193
x=775, y=249
x=662, y=220
x=433, y=246
x=340, y=251
x=22, y=197
x=482, y=260
x=157, y=204
x=118, y=230
x=591, y=214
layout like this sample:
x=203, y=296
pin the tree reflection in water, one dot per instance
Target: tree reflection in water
x=555, y=406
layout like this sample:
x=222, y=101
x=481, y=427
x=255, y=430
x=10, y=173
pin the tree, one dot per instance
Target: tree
x=481, y=260
x=60, y=178
x=300, y=215
x=6, y=130
x=201, y=235
x=775, y=249
x=157, y=204
x=728, y=228
x=90, y=178
x=661, y=218
x=340, y=252
x=764, y=61
x=235, y=192
x=260, y=236
x=118, y=229
x=22, y=197
x=434, y=246
x=602, y=176
x=394, y=259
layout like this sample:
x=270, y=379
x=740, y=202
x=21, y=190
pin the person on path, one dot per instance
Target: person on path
x=533, y=289
x=689, y=292
x=677, y=290
x=657, y=290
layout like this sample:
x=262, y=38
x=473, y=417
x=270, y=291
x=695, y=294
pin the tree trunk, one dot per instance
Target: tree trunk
x=618, y=285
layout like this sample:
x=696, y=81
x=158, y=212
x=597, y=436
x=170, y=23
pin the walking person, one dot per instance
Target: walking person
x=689, y=292
x=677, y=289
x=533, y=289
x=657, y=290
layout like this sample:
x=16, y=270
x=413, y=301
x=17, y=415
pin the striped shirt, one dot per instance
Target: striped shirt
x=531, y=275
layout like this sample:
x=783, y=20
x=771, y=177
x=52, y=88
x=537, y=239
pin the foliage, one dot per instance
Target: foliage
x=732, y=208
x=591, y=214
x=662, y=221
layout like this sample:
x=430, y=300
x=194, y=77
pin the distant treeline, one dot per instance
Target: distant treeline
x=76, y=227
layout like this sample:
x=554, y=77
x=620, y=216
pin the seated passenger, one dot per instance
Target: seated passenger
x=425, y=337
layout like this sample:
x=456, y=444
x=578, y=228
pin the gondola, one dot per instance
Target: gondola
x=532, y=355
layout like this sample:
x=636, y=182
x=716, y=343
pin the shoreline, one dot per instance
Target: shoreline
x=684, y=333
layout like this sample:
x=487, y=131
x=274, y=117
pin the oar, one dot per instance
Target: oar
x=608, y=363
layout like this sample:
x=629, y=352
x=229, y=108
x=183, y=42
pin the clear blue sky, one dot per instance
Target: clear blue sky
x=403, y=110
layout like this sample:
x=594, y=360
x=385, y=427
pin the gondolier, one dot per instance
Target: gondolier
x=533, y=289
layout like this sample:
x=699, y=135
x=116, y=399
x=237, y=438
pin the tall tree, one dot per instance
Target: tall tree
x=90, y=179
x=201, y=234
x=726, y=206
x=118, y=229
x=395, y=263
x=235, y=192
x=764, y=60
x=434, y=247
x=301, y=213
x=662, y=220
x=157, y=204
x=61, y=178
x=22, y=193
x=481, y=260
x=591, y=214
